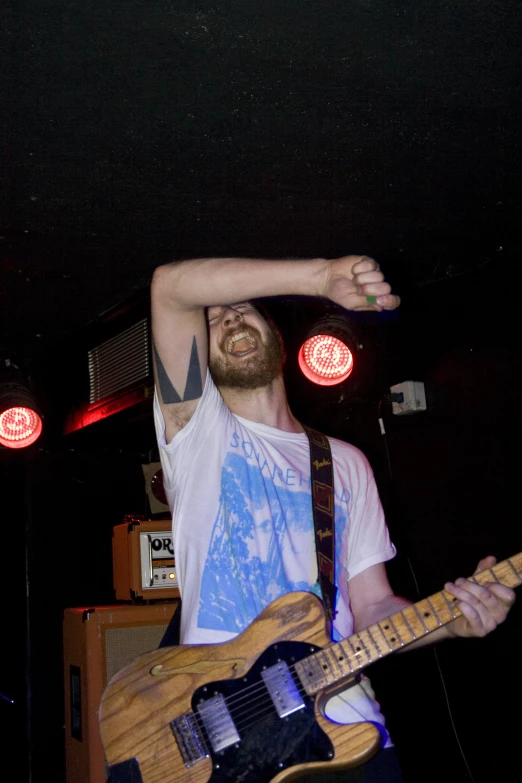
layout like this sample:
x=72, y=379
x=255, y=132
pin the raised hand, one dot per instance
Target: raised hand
x=352, y=279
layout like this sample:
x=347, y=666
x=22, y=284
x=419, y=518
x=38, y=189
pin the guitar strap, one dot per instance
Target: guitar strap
x=321, y=475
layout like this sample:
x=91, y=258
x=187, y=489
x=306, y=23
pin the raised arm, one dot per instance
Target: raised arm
x=181, y=291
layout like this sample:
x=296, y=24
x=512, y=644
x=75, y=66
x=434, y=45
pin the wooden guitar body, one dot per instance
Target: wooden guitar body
x=142, y=700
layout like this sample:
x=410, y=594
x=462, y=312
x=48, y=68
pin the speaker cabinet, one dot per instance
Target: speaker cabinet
x=97, y=643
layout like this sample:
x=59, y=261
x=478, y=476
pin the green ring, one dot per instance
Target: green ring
x=371, y=299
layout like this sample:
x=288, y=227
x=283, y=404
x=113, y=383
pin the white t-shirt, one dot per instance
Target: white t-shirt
x=243, y=530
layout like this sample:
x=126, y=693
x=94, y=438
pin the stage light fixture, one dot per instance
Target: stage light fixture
x=326, y=356
x=20, y=420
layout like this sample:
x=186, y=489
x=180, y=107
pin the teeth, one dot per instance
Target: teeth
x=236, y=337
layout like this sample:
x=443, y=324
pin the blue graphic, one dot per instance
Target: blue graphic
x=251, y=562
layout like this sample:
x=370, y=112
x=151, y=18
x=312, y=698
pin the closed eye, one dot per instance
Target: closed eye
x=213, y=317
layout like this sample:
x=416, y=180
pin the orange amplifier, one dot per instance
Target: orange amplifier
x=143, y=561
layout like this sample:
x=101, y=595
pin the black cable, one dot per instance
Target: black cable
x=398, y=397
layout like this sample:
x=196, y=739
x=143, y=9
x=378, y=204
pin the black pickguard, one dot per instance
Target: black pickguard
x=268, y=743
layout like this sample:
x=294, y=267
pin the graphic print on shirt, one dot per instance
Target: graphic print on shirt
x=249, y=564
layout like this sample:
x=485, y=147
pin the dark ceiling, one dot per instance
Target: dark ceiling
x=139, y=132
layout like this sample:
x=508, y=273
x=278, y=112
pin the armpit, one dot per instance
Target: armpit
x=177, y=416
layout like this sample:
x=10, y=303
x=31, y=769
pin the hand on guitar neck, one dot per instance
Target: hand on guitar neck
x=484, y=604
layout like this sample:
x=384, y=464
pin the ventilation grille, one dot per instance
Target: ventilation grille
x=119, y=363
x=124, y=645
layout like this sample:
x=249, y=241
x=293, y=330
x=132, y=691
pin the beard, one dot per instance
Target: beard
x=256, y=371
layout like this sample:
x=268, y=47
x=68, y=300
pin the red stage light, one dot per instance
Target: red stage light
x=19, y=427
x=325, y=360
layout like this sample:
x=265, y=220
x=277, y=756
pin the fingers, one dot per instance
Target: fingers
x=503, y=593
x=357, y=283
x=378, y=296
x=483, y=606
x=486, y=562
x=384, y=302
x=369, y=281
x=362, y=264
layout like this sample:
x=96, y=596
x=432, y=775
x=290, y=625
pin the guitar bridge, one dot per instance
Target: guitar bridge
x=189, y=739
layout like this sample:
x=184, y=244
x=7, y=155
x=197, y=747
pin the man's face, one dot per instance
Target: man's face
x=245, y=352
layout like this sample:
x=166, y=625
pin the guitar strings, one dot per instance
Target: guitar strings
x=256, y=694
x=257, y=710
x=259, y=701
x=233, y=702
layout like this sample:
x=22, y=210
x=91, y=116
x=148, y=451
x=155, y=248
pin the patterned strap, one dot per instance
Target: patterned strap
x=321, y=472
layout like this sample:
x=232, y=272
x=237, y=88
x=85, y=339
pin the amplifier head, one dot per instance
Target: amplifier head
x=144, y=565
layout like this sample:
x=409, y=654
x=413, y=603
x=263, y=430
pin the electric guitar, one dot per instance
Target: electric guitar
x=252, y=710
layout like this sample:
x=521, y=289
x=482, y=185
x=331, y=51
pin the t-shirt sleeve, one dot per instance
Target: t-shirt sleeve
x=190, y=438
x=368, y=541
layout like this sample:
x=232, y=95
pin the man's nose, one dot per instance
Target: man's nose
x=231, y=316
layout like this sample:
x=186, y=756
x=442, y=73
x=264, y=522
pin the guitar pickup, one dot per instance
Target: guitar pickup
x=218, y=723
x=282, y=689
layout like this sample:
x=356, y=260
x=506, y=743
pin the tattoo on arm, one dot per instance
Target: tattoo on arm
x=194, y=386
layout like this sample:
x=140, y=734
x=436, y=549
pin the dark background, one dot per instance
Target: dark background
x=136, y=133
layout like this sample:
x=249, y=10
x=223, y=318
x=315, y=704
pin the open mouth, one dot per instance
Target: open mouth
x=241, y=343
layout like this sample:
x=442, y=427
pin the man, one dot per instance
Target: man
x=237, y=472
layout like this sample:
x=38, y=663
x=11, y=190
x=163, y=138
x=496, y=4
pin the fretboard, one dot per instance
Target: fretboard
x=342, y=660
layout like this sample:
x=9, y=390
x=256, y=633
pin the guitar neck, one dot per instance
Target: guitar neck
x=342, y=660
